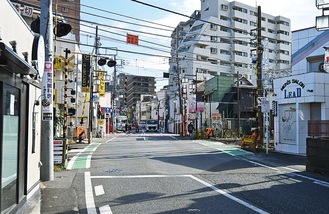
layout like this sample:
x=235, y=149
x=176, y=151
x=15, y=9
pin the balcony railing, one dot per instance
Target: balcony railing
x=318, y=128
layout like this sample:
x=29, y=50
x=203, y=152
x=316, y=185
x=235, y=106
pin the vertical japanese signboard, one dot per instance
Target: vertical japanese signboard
x=47, y=92
x=85, y=72
x=101, y=87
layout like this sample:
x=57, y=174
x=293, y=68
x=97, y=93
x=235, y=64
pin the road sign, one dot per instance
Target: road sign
x=260, y=100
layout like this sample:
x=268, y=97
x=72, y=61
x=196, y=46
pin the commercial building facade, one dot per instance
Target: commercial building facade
x=20, y=111
x=303, y=96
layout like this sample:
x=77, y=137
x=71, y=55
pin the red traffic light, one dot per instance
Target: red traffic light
x=62, y=29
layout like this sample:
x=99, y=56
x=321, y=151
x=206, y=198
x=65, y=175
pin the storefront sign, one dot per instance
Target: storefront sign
x=294, y=92
x=58, y=151
x=85, y=72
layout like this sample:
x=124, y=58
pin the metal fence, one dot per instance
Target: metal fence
x=318, y=128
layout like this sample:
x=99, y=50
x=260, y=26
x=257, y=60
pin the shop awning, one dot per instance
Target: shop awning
x=227, y=99
x=10, y=61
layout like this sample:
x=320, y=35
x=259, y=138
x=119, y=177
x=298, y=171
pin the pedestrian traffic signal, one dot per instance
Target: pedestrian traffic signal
x=62, y=29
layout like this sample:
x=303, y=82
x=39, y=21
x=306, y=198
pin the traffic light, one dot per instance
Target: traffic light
x=71, y=111
x=35, y=25
x=111, y=63
x=62, y=29
x=101, y=61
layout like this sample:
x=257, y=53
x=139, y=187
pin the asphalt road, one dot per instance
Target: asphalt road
x=159, y=173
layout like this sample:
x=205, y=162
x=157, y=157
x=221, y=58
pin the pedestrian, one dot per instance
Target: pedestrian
x=190, y=129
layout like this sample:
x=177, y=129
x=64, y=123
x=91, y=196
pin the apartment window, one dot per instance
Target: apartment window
x=224, y=18
x=271, y=21
x=213, y=27
x=224, y=29
x=69, y=0
x=226, y=52
x=223, y=63
x=213, y=50
x=241, y=31
x=283, y=42
x=283, y=52
x=280, y=22
x=240, y=42
x=195, y=28
x=213, y=61
x=226, y=41
x=243, y=10
x=253, y=13
x=253, y=23
x=65, y=9
x=272, y=41
x=213, y=38
x=224, y=7
x=283, y=32
x=240, y=20
x=271, y=31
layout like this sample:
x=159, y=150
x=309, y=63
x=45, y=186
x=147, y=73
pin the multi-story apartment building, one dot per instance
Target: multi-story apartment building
x=132, y=87
x=220, y=39
x=69, y=9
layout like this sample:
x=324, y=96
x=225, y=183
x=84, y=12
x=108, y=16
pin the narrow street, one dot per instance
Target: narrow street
x=161, y=173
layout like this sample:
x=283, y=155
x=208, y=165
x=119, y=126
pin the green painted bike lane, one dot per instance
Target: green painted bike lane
x=233, y=151
x=82, y=159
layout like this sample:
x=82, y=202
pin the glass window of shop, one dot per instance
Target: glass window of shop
x=9, y=146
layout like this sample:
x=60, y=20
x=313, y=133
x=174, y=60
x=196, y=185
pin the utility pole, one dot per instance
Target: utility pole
x=114, y=92
x=47, y=148
x=259, y=91
x=238, y=98
x=91, y=94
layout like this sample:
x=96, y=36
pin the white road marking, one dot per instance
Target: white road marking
x=315, y=181
x=90, y=203
x=105, y=210
x=88, y=161
x=222, y=192
x=99, y=190
x=75, y=150
x=140, y=176
x=259, y=164
x=110, y=140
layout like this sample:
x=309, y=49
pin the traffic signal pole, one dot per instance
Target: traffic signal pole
x=47, y=149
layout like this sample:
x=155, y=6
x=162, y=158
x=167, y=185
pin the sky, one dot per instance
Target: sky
x=155, y=41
